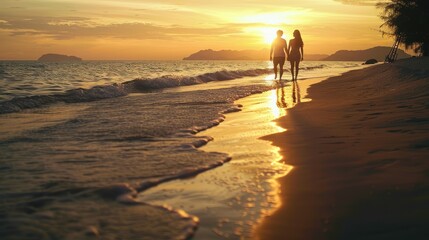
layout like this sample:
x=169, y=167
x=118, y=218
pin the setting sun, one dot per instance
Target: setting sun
x=268, y=34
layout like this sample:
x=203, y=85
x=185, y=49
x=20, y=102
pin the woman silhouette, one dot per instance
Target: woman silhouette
x=295, y=55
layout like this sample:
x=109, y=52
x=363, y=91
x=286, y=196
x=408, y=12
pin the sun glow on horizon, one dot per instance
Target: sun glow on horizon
x=167, y=29
x=271, y=22
x=266, y=34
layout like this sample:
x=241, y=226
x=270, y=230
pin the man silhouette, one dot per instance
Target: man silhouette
x=279, y=48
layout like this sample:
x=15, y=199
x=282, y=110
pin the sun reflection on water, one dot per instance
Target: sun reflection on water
x=285, y=96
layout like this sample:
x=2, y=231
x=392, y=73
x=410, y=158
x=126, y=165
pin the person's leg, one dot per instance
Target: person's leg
x=292, y=66
x=281, y=69
x=294, y=92
x=296, y=70
x=275, y=68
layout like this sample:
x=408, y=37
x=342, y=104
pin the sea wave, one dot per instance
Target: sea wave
x=122, y=89
x=147, y=84
x=71, y=96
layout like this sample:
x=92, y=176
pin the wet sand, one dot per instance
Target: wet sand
x=359, y=152
x=231, y=200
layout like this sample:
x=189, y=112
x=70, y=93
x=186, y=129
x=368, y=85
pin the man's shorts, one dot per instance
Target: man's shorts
x=279, y=60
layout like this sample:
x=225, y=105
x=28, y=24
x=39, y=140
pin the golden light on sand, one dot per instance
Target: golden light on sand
x=277, y=103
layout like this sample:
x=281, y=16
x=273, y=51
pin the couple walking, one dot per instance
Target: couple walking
x=294, y=53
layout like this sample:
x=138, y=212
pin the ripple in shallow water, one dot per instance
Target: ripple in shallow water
x=142, y=140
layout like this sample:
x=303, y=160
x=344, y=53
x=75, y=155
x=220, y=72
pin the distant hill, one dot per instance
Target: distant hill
x=378, y=53
x=51, y=57
x=262, y=54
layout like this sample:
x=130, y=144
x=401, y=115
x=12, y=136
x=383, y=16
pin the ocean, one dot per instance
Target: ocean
x=79, y=142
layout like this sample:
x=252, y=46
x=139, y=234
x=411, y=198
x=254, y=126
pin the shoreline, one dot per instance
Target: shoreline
x=229, y=199
x=359, y=152
x=259, y=201
x=232, y=199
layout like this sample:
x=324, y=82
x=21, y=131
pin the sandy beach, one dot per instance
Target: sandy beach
x=99, y=156
x=359, y=152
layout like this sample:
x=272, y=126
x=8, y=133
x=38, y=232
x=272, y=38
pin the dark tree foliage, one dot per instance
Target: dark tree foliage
x=408, y=20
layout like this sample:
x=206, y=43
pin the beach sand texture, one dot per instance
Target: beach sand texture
x=360, y=155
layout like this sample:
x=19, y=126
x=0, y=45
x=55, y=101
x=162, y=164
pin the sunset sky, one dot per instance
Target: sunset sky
x=173, y=29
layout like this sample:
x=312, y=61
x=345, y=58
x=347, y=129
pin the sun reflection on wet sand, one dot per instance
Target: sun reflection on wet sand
x=233, y=199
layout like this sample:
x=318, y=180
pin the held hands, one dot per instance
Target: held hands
x=271, y=58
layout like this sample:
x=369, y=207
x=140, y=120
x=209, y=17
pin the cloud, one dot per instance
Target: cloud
x=360, y=2
x=78, y=27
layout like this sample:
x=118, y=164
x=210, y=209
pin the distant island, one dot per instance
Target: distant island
x=51, y=57
x=262, y=54
x=378, y=53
